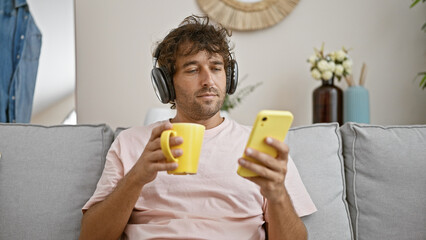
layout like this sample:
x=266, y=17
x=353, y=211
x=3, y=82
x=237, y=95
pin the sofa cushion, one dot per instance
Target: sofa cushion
x=386, y=180
x=46, y=175
x=317, y=153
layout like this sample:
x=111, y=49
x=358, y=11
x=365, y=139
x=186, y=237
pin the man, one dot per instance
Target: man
x=135, y=197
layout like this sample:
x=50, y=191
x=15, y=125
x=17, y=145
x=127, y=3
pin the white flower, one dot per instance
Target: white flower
x=347, y=64
x=316, y=74
x=336, y=63
x=340, y=55
x=312, y=59
x=339, y=70
x=333, y=56
x=323, y=65
x=331, y=66
x=327, y=75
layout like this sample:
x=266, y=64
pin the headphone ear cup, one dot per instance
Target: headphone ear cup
x=160, y=85
x=228, y=77
x=232, y=77
x=169, y=83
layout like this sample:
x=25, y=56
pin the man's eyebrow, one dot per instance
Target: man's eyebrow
x=217, y=62
x=189, y=63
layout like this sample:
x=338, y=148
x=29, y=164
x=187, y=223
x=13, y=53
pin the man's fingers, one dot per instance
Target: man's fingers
x=177, y=152
x=265, y=159
x=156, y=142
x=262, y=171
x=175, y=141
x=156, y=132
x=281, y=147
x=158, y=156
x=164, y=166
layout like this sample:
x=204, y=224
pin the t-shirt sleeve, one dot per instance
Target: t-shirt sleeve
x=111, y=175
x=299, y=196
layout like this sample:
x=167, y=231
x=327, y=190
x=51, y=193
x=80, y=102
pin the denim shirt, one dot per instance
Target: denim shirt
x=20, y=44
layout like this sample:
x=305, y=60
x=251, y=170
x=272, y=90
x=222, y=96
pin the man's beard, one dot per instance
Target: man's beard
x=202, y=110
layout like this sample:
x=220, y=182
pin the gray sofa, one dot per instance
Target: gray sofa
x=368, y=182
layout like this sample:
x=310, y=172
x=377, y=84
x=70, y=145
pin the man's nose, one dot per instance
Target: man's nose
x=206, y=77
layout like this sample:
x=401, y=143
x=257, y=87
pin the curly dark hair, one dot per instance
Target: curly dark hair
x=201, y=36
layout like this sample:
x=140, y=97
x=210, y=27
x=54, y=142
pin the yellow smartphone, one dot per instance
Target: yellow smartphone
x=269, y=123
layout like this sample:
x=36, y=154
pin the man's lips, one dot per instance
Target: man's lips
x=207, y=95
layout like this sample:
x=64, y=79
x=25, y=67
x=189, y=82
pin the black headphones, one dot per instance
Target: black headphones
x=162, y=81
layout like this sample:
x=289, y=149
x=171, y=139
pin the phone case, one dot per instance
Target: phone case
x=269, y=123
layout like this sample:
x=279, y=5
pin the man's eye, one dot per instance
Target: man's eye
x=191, y=70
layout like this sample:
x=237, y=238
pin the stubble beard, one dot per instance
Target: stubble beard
x=199, y=109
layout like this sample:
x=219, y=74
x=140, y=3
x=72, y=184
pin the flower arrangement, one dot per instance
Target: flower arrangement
x=233, y=100
x=326, y=66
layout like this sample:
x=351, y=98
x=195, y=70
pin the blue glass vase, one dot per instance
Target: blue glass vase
x=356, y=105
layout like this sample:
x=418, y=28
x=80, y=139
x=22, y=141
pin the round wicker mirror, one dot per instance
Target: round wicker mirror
x=247, y=15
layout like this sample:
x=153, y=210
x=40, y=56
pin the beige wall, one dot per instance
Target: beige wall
x=114, y=40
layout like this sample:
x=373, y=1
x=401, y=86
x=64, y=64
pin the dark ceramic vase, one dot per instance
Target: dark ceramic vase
x=328, y=103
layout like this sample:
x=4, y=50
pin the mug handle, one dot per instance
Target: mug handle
x=165, y=144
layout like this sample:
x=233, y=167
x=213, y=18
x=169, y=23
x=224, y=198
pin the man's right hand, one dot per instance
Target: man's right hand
x=108, y=219
x=152, y=159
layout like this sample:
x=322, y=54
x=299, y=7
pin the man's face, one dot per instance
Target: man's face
x=200, y=84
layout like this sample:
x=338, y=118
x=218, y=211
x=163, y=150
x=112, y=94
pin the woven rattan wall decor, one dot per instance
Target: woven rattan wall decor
x=247, y=15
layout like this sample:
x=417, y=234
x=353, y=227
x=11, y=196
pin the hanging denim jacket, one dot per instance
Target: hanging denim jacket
x=20, y=44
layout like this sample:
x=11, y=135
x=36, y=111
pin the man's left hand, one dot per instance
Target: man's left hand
x=271, y=171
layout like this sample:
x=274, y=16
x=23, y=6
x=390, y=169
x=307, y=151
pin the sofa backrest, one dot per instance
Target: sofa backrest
x=386, y=180
x=317, y=152
x=46, y=175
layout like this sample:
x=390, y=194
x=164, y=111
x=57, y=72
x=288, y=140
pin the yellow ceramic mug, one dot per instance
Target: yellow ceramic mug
x=192, y=135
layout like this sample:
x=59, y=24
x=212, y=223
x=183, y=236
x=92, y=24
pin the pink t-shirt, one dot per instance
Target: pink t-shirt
x=216, y=203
